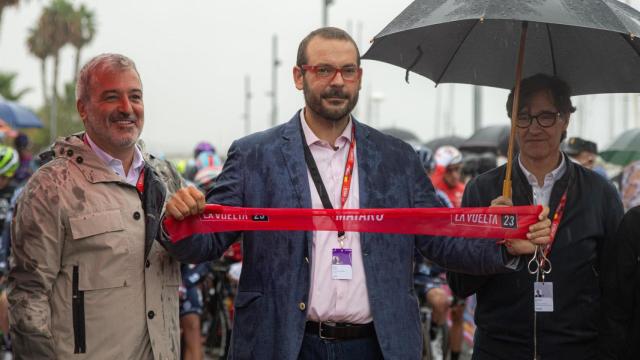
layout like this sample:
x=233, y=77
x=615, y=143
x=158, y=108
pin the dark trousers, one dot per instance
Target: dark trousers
x=314, y=348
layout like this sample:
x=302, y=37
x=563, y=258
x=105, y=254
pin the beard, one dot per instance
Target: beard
x=105, y=131
x=314, y=102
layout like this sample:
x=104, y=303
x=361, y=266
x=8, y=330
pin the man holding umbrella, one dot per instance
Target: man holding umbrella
x=563, y=323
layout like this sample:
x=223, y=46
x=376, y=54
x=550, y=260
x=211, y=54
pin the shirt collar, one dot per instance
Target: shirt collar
x=311, y=137
x=549, y=178
x=137, y=164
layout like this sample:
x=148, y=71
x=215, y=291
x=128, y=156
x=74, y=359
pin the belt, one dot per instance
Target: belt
x=340, y=331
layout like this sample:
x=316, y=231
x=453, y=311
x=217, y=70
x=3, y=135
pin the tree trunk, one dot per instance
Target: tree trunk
x=43, y=75
x=1, y=11
x=77, y=65
x=53, y=121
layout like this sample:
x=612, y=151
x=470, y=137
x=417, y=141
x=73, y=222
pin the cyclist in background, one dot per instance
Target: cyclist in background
x=429, y=279
x=448, y=173
x=429, y=163
x=191, y=306
x=200, y=161
x=9, y=163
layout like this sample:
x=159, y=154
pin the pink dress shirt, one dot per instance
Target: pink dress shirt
x=335, y=300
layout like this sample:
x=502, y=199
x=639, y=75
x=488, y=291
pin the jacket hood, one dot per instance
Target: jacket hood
x=73, y=149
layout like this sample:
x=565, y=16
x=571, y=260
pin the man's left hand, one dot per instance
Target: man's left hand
x=539, y=233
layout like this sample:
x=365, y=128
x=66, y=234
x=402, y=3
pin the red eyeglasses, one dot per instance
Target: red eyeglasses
x=328, y=72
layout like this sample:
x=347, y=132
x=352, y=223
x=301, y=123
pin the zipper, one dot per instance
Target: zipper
x=77, y=307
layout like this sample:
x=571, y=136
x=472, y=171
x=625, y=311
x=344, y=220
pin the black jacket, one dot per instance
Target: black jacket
x=504, y=313
x=621, y=301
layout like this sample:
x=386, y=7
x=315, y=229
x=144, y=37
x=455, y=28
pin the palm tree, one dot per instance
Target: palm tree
x=56, y=20
x=38, y=44
x=5, y=4
x=82, y=31
x=7, y=90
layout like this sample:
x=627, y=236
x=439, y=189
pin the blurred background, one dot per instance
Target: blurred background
x=216, y=71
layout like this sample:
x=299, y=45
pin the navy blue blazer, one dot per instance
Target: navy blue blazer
x=267, y=169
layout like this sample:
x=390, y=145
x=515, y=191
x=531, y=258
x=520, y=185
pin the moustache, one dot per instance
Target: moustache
x=122, y=117
x=334, y=93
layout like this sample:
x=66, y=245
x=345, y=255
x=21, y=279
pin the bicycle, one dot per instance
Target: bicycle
x=217, y=293
x=441, y=349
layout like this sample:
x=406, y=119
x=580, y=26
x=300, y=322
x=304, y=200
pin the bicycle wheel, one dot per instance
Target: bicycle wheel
x=425, y=322
x=218, y=331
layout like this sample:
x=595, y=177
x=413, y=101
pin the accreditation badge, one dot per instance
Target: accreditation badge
x=543, y=296
x=341, y=264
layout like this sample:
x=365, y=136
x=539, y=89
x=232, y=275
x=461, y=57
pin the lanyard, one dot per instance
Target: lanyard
x=140, y=182
x=540, y=263
x=317, y=179
x=555, y=223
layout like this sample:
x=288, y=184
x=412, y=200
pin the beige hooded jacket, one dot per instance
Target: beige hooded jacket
x=87, y=279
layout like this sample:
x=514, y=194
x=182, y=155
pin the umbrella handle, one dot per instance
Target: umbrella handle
x=506, y=185
x=506, y=188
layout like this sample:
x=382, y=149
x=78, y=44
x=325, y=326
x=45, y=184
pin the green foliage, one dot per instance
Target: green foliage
x=69, y=121
x=59, y=25
x=7, y=84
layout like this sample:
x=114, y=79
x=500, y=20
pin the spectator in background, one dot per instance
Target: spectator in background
x=448, y=174
x=23, y=146
x=581, y=151
x=630, y=185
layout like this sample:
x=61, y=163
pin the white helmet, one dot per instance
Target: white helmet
x=447, y=156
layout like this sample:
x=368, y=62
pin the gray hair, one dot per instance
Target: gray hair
x=101, y=62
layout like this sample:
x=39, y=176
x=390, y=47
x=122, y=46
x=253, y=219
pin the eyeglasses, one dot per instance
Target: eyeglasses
x=545, y=119
x=328, y=72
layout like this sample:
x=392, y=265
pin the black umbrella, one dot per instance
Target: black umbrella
x=591, y=44
x=494, y=139
x=404, y=135
x=452, y=140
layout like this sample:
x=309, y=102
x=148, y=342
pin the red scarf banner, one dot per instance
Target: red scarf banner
x=489, y=222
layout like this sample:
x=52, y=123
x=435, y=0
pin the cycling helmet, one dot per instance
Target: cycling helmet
x=203, y=146
x=447, y=156
x=426, y=158
x=9, y=161
x=207, y=159
x=206, y=178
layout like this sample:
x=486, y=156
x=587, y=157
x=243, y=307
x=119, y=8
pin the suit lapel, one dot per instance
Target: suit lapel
x=293, y=156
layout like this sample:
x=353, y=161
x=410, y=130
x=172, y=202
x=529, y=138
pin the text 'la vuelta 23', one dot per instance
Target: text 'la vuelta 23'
x=258, y=217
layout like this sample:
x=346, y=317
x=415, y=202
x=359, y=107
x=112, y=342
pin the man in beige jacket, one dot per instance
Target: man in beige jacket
x=88, y=280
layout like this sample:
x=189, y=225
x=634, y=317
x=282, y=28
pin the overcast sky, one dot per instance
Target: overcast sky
x=193, y=56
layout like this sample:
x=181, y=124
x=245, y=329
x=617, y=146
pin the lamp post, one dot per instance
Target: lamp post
x=325, y=11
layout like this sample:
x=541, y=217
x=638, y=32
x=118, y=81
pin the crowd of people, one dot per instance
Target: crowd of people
x=94, y=274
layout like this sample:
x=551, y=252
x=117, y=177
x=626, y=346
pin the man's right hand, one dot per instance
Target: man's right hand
x=185, y=202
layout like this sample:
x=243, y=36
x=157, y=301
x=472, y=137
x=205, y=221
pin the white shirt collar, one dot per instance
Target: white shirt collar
x=549, y=178
x=116, y=165
x=542, y=194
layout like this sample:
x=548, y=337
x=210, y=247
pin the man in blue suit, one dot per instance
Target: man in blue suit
x=321, y=294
